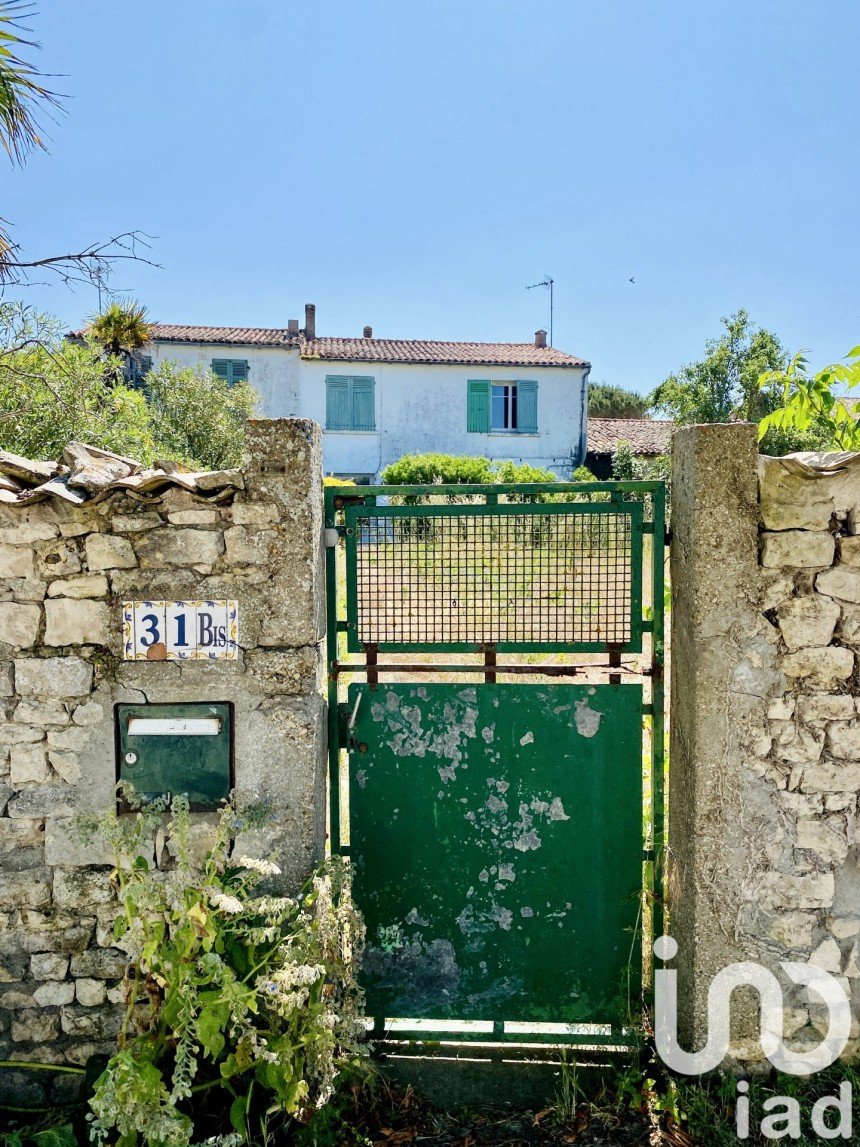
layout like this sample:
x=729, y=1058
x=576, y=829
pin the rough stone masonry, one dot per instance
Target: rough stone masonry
x=765, y=756
x=64, y=569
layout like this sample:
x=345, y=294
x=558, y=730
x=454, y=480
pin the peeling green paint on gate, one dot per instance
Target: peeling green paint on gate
x=497, y=835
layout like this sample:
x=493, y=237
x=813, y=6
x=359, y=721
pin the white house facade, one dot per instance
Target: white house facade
x=378, y=399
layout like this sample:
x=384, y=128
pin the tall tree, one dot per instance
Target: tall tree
x=724, y=384
x=606, y=400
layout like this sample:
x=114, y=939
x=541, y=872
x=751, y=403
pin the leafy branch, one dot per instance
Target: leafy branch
x=808, y=402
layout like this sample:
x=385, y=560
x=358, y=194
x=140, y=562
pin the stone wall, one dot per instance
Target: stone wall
x=765, y=733
x=64, y=571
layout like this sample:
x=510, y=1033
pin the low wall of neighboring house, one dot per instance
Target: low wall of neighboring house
x=65, y=571
x=765, y=736
x=421, y=409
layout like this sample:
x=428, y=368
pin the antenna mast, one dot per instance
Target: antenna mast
x=548, y=281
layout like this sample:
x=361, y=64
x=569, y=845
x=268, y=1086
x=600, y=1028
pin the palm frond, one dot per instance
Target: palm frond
x=21, y=92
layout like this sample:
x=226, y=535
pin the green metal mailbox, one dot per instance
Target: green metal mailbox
x=182, y=748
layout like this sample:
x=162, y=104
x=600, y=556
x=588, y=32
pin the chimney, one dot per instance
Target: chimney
x=310, y=321
x=368, y=332
x=540, y=338
x=293, y=327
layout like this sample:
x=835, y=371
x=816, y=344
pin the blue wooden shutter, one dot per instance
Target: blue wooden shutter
x=231, y=370
x=362, y=404
x=337, y=403
x=527, y=407
x=478, y=407
x=240, y=370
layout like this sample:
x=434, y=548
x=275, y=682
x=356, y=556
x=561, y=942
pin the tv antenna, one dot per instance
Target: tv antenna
x=546, y=282
x=107, y=294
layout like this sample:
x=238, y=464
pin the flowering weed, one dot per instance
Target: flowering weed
x=240, y=1000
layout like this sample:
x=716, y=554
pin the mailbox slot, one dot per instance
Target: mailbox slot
x=177, y=748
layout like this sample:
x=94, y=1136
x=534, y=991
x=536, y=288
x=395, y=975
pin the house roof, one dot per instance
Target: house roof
x=371, y=350
x=645, y=435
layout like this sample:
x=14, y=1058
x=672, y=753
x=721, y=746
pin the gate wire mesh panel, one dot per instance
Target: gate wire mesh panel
x=437, y=577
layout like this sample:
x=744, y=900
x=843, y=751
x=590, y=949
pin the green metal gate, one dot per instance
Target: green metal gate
x=503, y=826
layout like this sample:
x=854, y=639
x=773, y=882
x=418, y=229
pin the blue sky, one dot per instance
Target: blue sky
x=416, y=165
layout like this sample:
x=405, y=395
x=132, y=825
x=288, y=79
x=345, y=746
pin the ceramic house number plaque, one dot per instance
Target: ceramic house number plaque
x=180, y=630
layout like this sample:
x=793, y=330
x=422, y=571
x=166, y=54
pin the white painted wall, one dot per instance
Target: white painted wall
x=273, y=371
x=419, y=408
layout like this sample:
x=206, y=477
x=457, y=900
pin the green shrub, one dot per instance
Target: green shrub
x=432, y=469
x=583, y=474
x=627, y=467
x=241, y=1001
x=198, y=417
x=54, y=390
x=624, y=463
x=512, y=472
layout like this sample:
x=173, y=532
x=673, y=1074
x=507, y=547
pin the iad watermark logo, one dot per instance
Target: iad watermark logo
x=784, y=1111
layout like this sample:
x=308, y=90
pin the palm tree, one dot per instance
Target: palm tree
x=20, y=90
x=122, y=329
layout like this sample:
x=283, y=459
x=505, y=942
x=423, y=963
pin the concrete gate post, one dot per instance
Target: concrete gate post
x=721, y=668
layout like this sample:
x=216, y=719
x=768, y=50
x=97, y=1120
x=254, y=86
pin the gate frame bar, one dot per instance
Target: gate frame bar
x=337, y=498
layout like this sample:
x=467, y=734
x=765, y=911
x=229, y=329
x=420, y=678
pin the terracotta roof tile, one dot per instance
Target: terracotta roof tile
x=229, y=336
x=372, y=350
x=645, y=435
x=422, y=351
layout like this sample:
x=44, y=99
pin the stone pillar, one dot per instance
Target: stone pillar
x=722, y=669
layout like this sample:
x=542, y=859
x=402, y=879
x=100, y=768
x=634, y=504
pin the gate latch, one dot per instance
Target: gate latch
x=350, y=725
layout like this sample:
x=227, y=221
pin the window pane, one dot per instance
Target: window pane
x=513, y=423
x=498, y=421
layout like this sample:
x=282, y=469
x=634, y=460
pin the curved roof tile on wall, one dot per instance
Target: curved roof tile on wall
x=87, y=473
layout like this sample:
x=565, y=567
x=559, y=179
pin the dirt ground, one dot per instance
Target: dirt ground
x=409, y=1119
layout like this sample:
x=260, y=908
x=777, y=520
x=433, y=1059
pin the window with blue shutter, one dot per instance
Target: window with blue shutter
x=501, y=407
x=231, y=370
x=349, y=402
